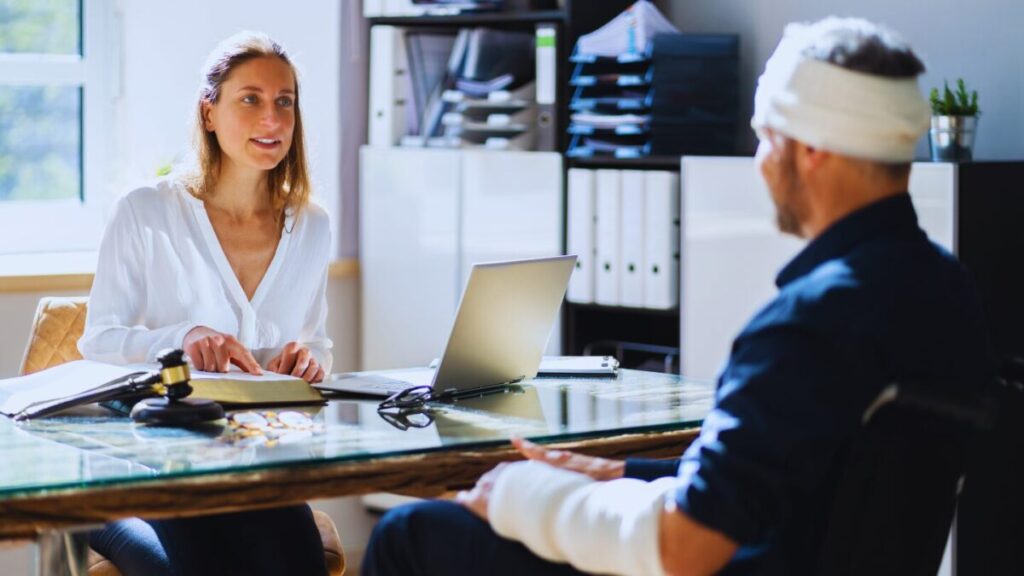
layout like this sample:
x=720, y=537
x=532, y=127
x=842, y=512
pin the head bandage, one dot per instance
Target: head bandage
x=829, y=107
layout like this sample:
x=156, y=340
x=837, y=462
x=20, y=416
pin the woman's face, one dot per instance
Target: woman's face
x=254, y=117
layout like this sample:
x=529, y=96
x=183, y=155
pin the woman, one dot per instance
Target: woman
x=229, y=263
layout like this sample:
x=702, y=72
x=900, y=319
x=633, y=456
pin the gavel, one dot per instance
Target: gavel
x=173, y=407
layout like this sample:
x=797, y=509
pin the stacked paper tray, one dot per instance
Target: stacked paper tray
x=611, y=105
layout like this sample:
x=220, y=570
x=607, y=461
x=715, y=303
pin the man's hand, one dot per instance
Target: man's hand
x=478, y=498
x=296, y=360
x=214, y=351
x=596, y=468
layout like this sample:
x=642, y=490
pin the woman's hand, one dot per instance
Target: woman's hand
x=214, y=351
x=596, y=468
x=296, y=360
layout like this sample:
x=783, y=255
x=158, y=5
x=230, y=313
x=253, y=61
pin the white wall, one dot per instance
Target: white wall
x=979, y=41
x=164, y=45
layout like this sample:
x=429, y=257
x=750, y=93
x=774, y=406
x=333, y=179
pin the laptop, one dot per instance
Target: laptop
x=501, y=329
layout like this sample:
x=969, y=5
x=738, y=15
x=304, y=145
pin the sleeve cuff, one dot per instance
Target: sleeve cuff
x=648, y=469
x=177, y=339
x=322, y=354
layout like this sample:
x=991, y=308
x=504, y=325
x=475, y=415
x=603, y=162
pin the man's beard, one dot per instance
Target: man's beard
x=786, y=215
x=786, y=220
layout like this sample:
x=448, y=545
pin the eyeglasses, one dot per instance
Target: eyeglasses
x=403, y=419
x=412, y=397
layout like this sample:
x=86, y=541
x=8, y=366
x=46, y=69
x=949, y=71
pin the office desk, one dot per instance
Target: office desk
x=88, y=467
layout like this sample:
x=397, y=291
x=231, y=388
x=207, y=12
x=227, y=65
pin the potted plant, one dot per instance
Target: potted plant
x=954, y=122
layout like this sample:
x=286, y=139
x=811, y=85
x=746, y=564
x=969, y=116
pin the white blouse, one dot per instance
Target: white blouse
x=162, y=272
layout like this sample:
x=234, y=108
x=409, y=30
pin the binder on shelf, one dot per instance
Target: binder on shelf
x=661, y=240
x=608, y=184
x=547, y=87
x=387, y=103
x=426, y=53
x=581, y=235
x=633, y=224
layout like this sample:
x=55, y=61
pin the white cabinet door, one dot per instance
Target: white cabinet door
x=933, y=190
x=732, y=250
x=511, y=209
x=730, y=254
x=408, y=253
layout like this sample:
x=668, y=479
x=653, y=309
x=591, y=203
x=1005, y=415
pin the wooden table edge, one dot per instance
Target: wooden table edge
x=424, y=475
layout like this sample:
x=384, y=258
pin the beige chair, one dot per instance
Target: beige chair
x=58, y=324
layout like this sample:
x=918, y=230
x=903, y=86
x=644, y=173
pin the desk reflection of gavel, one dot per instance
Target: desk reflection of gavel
x=173, y=407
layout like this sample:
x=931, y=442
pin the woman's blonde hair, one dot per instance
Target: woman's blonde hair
x=288, y=182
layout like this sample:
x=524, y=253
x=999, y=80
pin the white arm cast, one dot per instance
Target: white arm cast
x=602, y=527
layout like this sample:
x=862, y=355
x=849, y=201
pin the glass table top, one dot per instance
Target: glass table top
x=92, y=447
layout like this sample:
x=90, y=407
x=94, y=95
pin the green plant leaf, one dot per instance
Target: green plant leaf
x=960, y=102
x=963, y=101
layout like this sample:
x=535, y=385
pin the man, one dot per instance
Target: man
x=869, y=301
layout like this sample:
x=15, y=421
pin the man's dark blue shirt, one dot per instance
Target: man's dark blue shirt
x=869, y=302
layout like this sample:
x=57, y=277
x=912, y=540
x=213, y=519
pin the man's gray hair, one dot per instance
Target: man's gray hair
x=862, y=46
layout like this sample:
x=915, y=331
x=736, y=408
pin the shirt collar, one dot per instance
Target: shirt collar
x=893, y=214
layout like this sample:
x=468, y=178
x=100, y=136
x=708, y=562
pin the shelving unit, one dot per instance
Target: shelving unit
x=426, y=214
x=582, y=324
x=691, y=119
x=574, y=19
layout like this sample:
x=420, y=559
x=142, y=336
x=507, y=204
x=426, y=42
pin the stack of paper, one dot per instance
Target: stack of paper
x=628, y=33
x=611, y=121
x=483, y=88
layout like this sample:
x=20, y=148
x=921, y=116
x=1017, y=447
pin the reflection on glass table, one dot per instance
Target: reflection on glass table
x=92, y=447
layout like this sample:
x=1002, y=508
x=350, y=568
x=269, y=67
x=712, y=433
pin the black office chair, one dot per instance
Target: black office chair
x=899, y=481
x=989, y=533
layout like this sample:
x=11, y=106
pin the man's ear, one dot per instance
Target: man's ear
x=206, y=109
x=809, y=159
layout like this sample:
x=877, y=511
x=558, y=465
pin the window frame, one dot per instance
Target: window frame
x=75, y=224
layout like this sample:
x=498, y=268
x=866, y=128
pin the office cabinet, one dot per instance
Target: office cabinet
x=731, y=249
x=409, y=214
x=427, y=216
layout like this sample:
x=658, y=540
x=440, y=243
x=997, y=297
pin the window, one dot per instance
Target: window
x=57, y=75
